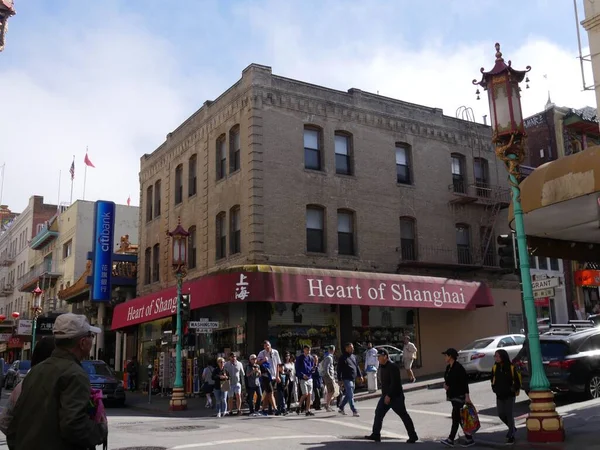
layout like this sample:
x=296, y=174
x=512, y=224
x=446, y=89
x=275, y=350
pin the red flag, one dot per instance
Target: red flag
x=129, y=201
x=87, y=161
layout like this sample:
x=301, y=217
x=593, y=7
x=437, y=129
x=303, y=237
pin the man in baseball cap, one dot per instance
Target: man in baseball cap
x=57, y=393
x=452, y=353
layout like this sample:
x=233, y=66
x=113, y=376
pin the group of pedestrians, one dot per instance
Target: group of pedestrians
x=276, y=386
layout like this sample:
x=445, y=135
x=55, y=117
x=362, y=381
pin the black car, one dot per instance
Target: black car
x=104, y=378
x=571, y=362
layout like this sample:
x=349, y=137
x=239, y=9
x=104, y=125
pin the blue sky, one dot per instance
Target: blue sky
x=117, y=76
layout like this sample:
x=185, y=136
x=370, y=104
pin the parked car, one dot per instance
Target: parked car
x=478, y=357
x=16, y=373
x=103, y=377
x=571, y=361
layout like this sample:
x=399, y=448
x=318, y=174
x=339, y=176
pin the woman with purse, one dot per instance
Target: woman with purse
x=506, y=384
x=221, y=378
x=456, y=384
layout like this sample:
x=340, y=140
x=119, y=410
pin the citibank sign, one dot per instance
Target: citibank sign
x=104, y=230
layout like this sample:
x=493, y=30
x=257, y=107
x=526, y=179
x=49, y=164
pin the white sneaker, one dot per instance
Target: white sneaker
x=218, y=414
x=355, y=414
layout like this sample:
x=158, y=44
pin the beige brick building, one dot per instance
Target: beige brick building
x=283, y=173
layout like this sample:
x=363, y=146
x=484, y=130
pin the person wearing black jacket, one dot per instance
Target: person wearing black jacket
x=392, y=397
x=348, y=372
x=505, y=384
x=456, y=384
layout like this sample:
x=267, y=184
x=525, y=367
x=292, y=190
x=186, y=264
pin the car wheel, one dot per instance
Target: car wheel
x=593, y=387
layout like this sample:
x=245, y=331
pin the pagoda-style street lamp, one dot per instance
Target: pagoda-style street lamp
x=15, y=315
x=36, y=310
x=179, y=238
x=508, y=137
x=6, y=10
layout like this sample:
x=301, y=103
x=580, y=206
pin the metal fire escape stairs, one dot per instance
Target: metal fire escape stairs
x=493, y=206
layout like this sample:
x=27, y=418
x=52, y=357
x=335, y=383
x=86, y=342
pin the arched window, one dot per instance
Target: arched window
x=408, y=239
x=221, y=157
x=149, y=201
x=403, y=163
x=459, y=178
x=235, y=238
x=179, y=184
x=156, y=263
x=313, y=144
x=315, y=229
x=192, y=243
x=221, y=236
x=234, y=149
x=192, y=175
x=345, y=231
x=463, y=244
x=148, y=266
x=343, y=153
x=157, y=197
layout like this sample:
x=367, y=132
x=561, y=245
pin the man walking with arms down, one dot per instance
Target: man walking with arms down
x=392, y=397
x=304, y=371
x=348, y=372
x=53, y=410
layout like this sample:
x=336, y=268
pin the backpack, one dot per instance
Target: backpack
x=513, y=372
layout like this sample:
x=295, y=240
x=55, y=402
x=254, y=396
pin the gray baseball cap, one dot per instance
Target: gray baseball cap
x=69, y=326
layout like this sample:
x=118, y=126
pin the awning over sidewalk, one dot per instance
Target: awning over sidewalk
x=561, y=203
x=300, y=285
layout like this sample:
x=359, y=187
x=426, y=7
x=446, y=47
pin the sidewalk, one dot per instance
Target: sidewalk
x=160, y=405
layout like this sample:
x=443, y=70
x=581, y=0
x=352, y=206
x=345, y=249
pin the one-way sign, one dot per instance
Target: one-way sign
x=209, y=325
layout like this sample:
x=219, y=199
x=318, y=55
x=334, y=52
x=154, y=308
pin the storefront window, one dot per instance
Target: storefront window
x=293, y=325
x=383, y=326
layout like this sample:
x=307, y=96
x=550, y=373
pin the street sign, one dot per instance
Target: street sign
x=544, y=284
x=541, y=293
x=201, y=324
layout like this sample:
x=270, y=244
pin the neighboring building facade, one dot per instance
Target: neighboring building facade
x=58, y=257
x=283, y=185
x=554, y=133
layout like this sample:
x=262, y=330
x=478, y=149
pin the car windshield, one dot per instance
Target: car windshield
x=553, y=351
x=479, y=344
x=24, y=365
x=97, y=369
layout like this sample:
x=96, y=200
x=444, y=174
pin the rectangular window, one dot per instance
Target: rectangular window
x=192, y=248
x=235, y=227
x=346, y=233
x=542, y=263
x=480, y=170
x=221, y=246
x=554, y=264
x=221, y=158
x=315, y=235
x=149, y=200
x=179, y=184
x=458, y=179
x=342, y=155
x=67, y=248
x=463, y=244
x=532, y=262
x=157, y=198
x=402, y=164
x=312, y=149
x=148, y=266
x=156, y=263
x=408, y=241
x=234, y=142
x=192, y=178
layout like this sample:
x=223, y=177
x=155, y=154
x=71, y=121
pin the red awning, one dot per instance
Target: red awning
x=299, y=285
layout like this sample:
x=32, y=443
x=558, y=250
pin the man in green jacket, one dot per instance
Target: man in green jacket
x=52, y=412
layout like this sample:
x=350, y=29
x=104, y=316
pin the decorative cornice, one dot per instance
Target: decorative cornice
x=591, y=23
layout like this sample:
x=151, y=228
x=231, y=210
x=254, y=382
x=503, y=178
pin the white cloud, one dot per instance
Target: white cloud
x=119, y=88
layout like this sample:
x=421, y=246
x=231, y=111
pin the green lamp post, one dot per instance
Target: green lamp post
x=36, y=310
x=509, y=139
x=179, y=238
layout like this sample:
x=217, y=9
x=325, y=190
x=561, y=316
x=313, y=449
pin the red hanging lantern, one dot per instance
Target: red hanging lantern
x=15, y=315
x=2, y=318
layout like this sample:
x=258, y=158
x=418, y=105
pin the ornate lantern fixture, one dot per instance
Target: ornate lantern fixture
x=2, y=318
x=179, y=246
x=36, y=308
x=508, y=129
x=15, y=315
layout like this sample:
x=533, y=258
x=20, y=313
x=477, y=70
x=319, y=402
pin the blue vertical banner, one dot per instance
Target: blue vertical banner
x=104, y=231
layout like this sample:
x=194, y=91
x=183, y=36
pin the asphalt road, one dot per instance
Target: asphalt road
x=132, y=430
x=428, y=408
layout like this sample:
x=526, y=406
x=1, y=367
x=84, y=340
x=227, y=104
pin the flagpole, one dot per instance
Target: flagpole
x=84, y=179
x=58, y=199
x=72, y=178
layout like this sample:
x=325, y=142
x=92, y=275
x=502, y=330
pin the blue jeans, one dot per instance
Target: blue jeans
x=348, y=395
x=221, y=401
x=397, y=405
x=254, y=407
